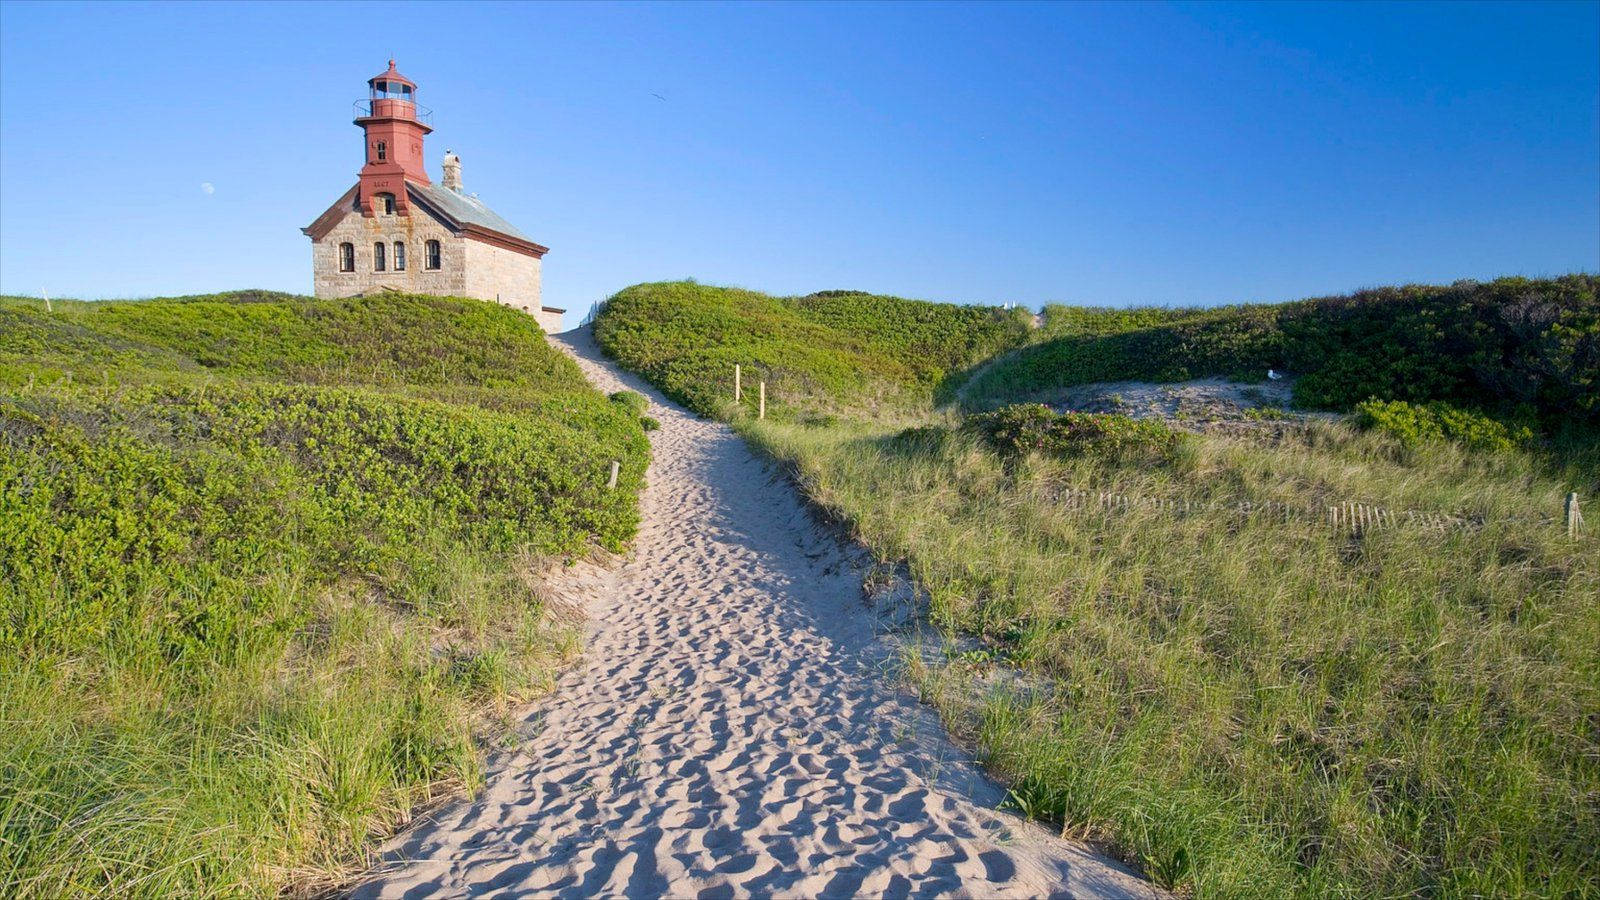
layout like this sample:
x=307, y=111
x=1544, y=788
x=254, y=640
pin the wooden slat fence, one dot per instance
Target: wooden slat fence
x=1348, y=517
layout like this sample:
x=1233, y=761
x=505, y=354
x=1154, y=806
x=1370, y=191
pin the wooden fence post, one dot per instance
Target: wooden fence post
x=615, y=467
x=761, y=412
x=737, y=393
x=1574, y=517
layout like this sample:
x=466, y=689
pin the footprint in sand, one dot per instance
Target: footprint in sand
x=727, y=733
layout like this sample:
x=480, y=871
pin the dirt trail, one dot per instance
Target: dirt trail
x=728, y=732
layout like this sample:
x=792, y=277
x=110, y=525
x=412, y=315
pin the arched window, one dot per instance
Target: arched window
x=347, y=257
x=431, y=255
x=399, y=256
x=377, y=257
x=383, y=151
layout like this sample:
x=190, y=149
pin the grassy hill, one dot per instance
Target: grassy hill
x=825, y=351
x=266, y=564
x=1514, y=347
x=1203, y=672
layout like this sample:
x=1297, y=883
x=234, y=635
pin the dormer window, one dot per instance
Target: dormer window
x=386, y=203
x=383, y=151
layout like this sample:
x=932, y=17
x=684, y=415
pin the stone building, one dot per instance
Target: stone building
x=397, y=229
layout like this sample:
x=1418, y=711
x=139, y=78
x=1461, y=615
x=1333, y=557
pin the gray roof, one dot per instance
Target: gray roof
x=464, y=209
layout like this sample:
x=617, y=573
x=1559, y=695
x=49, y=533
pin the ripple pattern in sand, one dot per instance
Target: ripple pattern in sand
x=728, y=732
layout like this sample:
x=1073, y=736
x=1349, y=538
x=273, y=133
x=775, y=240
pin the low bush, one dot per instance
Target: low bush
x=454, y=345
x=1413, y=424
x=1035, y=428
x=1510, y=346
x=254, y=605
x=1268, y=414
x=633, y=401
x=828, y=351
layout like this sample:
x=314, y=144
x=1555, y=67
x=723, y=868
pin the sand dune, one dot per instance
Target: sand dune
x=729, y=732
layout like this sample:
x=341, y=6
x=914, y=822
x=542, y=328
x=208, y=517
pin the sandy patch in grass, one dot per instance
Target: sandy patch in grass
x=1203, y=404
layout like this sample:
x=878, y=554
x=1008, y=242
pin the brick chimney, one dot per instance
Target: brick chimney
x=452, y=171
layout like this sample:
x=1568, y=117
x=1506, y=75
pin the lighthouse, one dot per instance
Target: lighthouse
x=396, y=229
x=392, y=134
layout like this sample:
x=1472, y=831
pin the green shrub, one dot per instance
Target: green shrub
x=437, y=344
x=649, y=423
x=1504, y=346
x=1268, y=414
x=1414, y=424
x=1062, y=321
x=1237, y=341
x=633, y=401
x=1034, y=428
x=263, y=562
x=824, y=351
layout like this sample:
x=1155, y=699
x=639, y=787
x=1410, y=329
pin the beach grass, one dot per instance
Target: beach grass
x=1244, y=704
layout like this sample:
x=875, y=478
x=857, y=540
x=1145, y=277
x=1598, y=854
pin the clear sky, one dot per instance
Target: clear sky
x=1098, y=154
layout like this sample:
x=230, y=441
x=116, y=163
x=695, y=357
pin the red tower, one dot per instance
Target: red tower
x=394, y=127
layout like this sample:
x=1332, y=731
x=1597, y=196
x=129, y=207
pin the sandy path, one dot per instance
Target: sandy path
x=728, y=733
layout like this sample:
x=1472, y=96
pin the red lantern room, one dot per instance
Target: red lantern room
x=394, y=127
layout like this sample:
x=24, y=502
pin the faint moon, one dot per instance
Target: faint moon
x=208, y=187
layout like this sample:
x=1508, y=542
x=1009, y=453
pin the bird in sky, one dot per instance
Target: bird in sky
x=658, y=96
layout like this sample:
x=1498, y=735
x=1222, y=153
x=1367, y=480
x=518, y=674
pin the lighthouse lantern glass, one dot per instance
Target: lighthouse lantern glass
x=391, y=90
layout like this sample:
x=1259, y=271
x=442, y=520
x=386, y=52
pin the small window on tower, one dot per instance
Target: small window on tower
x=399, y=256
x=383, y=151
x=347, y=257
x=378, y=253
x=431, y=255
x=384, y=204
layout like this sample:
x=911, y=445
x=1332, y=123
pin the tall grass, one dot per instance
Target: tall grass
x=1255, y=707
x=269, y=571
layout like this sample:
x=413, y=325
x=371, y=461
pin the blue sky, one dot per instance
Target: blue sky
x=1097, y=154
